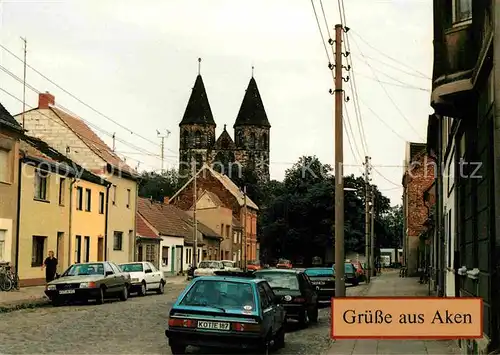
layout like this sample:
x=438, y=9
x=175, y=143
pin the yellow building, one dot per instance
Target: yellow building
x=63, y=208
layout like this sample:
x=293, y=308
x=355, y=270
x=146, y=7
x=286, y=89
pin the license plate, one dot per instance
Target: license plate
x=213, y=325
x=318, y=282
x=66, y=292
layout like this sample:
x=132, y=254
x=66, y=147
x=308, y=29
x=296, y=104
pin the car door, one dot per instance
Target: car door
x=119, y=276
x=268, y=311
x=110, y=278
x=309, y=290
x=279, y=310
x=152, y=277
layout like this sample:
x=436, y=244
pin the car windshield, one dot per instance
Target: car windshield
x=348, y=268
x=210, y=265
x=135, y=267
x=228, y=264
x=220, y=294
x=319, y=272
x=280, y=280
x=85, y=269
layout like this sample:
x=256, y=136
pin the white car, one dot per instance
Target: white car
x=230, y=265
x=144, y=277
x=208, y=268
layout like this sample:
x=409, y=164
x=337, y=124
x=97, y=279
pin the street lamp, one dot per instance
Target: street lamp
x=339, y=261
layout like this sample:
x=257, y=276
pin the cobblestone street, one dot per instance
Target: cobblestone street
x=132, y=327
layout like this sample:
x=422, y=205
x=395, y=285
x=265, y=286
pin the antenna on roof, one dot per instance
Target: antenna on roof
x=199, y=66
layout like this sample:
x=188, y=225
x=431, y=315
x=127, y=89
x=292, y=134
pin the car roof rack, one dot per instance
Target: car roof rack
x=246, y=274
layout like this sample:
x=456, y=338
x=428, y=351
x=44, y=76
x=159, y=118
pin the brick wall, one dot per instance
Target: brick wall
x=418, y=179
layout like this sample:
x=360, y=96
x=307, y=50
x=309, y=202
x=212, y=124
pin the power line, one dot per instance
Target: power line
x=402, y=85
x=386, y=179
x=321, y=34
x=396, y=68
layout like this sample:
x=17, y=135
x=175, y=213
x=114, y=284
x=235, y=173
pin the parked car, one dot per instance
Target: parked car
x=87, y=281
x=230, y=265
x=234, y=312
x=299, y=296
x=324, y=281
x=254, y=265
x=284, y=264
x=144, y=277
x=350, y=274
x=207, y=267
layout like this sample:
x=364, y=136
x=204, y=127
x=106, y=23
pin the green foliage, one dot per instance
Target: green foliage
x=157, y=186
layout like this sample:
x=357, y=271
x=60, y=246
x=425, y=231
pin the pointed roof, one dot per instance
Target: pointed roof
x=225, y=141
x=7, y=119
x=252, y=112
x=198, y=109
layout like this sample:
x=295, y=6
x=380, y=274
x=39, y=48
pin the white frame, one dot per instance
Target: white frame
x=454, y=20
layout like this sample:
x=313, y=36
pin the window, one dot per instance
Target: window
x=222, y=230
x=101, y=202
x=79, y=198
x=4, y=165
x=264, y=141
x=153, y=267
x=147, y=268
x=128, y=198
x=117, y=240
x=3, y=234
x=37, y=250
x=41, y=185
x=115, y=268
x=107, y=268
x=87, y=249
x=78, y=249
x=114, y=194
x=88, y=200
x=197, y=139
x=150, y=253
x=462, y=10
x=164, y=255
x=264, y=300
x=187, y=255
x=451, y=173
x=228, y=231
x=62, y=187
x=252, y=141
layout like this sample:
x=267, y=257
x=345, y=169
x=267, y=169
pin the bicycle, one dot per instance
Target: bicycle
x=6, y=283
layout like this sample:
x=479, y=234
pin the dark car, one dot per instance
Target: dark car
x=235, y=312
x=350, y=274
x=87, y=281
x=324, y=281
x=298, y=294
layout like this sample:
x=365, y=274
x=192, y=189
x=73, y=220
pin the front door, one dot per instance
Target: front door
x=60, y=252
x=100, y=249
x=139, y=252
x=178, y=258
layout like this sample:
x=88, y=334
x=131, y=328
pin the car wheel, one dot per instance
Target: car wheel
x=178, y=349
x=100, y=296
x=161, y=289
x=313, y=315
x=279, y=338
x=304, y=318
x=124, y=293
x=142, y=290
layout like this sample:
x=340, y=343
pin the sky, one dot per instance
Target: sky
x=128, y=68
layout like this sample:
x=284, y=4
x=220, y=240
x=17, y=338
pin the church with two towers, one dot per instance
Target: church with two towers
x=250, y=147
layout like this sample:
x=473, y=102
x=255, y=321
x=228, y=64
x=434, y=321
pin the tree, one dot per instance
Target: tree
x=158, y=186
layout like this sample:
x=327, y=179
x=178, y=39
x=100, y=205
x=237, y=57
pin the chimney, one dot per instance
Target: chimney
x=45, y=99
x=166, y=199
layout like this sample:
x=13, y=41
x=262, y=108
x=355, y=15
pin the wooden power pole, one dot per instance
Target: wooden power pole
x=195, y=222
x=372, y=236
x=339, y=161
x=244, y=251
x=367, y=218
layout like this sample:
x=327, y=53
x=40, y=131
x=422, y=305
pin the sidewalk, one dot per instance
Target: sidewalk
x=390, y=284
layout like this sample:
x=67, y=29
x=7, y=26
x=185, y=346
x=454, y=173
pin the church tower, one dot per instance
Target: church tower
x=251, y=133
x=197, y=130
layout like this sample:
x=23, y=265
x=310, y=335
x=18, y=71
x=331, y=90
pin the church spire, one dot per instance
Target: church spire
x=198, y=109
x=252, y=112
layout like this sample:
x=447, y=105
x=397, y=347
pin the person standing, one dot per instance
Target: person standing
x=50, y=265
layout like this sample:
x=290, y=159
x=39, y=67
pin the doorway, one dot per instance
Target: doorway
x=60, y=252
x=100, y=249
x=139, y=252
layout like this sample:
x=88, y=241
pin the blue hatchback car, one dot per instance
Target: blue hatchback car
x=239, y=312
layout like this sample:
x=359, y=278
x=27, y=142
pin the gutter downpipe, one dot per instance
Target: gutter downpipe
x=439, y=211
x=18, y=214
x=73, y=181
x=106, y=224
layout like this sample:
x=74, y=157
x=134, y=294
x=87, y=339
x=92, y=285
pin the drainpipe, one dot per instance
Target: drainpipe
x=439, y=210
x=134, y=233
x=18, y=213
x=72, y=183
x=106, y=224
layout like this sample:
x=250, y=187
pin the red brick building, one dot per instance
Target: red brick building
x=231, y=197
x=417, y=179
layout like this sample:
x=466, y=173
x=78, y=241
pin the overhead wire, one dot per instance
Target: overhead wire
x=400, y=85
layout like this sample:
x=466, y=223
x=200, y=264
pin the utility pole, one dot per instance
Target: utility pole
x=195, y=222
x=24, y=79
x=372, y=236
x=162, y=147
x=244, y=228
x=367, y=218
x=339, y=160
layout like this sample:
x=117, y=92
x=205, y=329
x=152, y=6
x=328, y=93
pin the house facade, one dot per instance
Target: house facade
x=72, y=136
x=237, y=240
x=61, y=209
x=417, y=178
x=147, y=243
x=464, y=133
x=242, y=207
x=10, y=133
